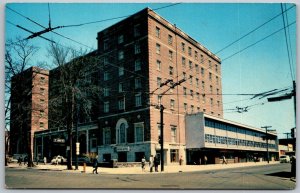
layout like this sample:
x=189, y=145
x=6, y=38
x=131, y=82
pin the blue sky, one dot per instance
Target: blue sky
x=262, y=67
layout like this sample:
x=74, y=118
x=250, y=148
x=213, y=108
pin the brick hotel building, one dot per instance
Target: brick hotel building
x=136, y=56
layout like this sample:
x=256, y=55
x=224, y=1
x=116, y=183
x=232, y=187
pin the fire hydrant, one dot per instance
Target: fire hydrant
x=84, y=167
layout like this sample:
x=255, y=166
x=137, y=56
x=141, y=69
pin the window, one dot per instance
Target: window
x=202, y=72
x=190, y=51
x=198, y=96
x=217, y=79
x=41, y=124
x=217, y=91
x=158, y=65
x=158, y=81
x=197, y=68
x=122, y=133
x=210, y=88
x=184, y=75
x=157, y=48
x=170, y=70
x=211, y=101
x=203, y=99
x=137, y=65
x=42, y=113
x=216, y=67
x=121, y=104
x=196, y=55
x=106, y=76
x=170, y=55
x=138, y=100
x=203, y=85
x=209, y=64
x=120, y=39
x=42, y=91
x=218, y=102
x=106, y=136
x=137, y=30
x=198, y=109
x=121, y=87
x=105, y=60
x=157, y=32
x=172, y=104
x=105, y=44
x=183, y=61
x=192, y=94
x=185, y=107
x=105, y=92
x=137, y=48
x=121, y=55
x=190, y=65
x=191, y=80
x=121, y=70
x=182, y=47
x=210, y=76
x=139, y=132
x=174, y=153
x=170, y=39
x=192, y=109
x=201, y=58
x=42, y=79
x=197, y=82
x=138, y=83
x=106, y=107
x=42, y=101
x=173, y=134
x=184, y=91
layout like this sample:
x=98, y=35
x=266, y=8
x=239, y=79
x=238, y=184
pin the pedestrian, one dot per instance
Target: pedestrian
x=205, y=160
x=156, y=163
x=45, y=160
x=95, y=165
x=151, y=163
x=200, y=161
x=293, y=167
x=20, y=159
x=180, y=160
x=224, y=160
x=143, y=163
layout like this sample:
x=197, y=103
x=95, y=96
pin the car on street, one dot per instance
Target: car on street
x=284, y=159
x=58, y=159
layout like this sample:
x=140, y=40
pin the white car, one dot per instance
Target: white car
x=284, y=159
x=58, y=159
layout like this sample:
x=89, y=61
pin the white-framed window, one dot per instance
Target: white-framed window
x=106, y=76
x=190, y=51
x=121, y=55
x=106, y=136
x=137, y=65
x=158, y=65
x=172, y=104
x=105, y=92
x=170, y=55
x=158, y=81
x=158, y=48
x=170, y=39
x=137, y=30
x=106, y=107
x=138, y=132
x=157, y=32
x=138, y=83
x=121, y=70
x=121, y=104
x=173, y=134
x=138, y=100
x=121, y=87
x=120, y=39
x=137, y=48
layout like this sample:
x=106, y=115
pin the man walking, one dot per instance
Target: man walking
x=95, y=165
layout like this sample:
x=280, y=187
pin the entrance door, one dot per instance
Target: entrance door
x=122, y=157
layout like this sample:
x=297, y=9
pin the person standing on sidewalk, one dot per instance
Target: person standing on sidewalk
x=45, y=160
x=180, y=160
x=156, y=163
x=205, y=160
x=95, y=165
x=143, y=163
x=151, y=163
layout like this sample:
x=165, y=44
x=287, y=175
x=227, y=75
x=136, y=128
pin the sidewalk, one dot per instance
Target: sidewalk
x=138, y=170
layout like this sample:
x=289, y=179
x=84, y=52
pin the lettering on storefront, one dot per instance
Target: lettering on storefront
x=58, y=140
x=123, y=148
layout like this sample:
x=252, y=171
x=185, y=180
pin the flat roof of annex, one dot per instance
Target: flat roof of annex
x=172, y=27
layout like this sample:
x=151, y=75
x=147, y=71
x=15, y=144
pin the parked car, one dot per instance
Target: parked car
x=60, y=159
x=284, y=159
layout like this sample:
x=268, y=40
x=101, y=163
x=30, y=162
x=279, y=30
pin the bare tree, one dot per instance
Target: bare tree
x=18, y=57
x=73, y=91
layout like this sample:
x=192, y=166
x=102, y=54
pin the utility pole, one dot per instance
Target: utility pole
x=161, y=107
x=266, y=127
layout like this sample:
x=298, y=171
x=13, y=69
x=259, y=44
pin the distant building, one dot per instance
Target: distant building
x=29, y=108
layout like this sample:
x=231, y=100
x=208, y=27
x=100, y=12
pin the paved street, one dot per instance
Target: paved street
x=232, y=176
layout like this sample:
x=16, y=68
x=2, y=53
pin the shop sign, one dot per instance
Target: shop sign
x=58, y=140
x=123, y=148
